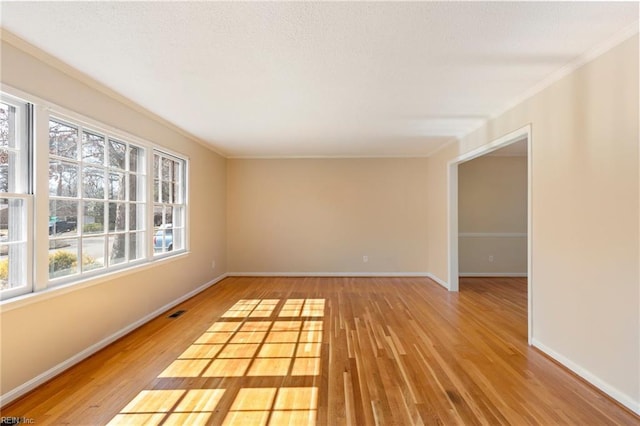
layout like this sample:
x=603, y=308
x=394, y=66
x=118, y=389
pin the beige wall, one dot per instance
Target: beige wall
x=324, y=215
x=38, y=336
x=585, y=229
x=492, y=216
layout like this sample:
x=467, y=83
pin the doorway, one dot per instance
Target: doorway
x=521, y=136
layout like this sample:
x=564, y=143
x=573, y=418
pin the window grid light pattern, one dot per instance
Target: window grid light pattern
x=255, y=338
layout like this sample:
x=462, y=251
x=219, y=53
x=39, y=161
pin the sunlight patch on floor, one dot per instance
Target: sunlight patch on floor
x=268, y=338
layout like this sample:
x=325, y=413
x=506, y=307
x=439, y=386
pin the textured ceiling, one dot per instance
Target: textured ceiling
x=319, y=79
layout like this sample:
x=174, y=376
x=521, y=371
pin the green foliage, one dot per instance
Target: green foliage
x=89, y=262
x=62, y=260
x=93, y=227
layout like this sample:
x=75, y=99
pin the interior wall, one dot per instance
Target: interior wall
x=36, y=337
x=492, y=216
x=324, y=215
x=585, y=234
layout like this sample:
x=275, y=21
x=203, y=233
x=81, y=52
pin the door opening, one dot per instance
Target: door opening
x=520, y=136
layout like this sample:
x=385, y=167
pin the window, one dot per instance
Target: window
x=168, y=203
x=82, y=199
x=15, y=245
x=96, y=200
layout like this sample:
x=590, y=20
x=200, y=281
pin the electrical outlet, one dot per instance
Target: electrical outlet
x=491, y=258
x=365, y=259
x=213, y=264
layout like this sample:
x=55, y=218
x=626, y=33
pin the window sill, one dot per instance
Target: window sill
x=59, y=290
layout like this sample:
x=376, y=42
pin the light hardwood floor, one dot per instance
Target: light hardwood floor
x=328, y=351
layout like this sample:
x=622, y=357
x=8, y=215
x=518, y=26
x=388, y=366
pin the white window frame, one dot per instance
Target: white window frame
x=37, y=201
x=107, y=135
x=21, y=191
x=181, y=203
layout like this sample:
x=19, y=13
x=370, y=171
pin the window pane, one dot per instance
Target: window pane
x=7, y=125
x=117, y=216
x=156, y=191
x=63, y=179
x=117, y=244
x=136, y=217
x=92, y=253
x=63, y=217
x=178, y=238
x=136, y=188
x=13, y=244
x=92, y=148
x=4, y=267
x=117, y=186
x=177, y=216
x=12, y=220
x=162, y=215
x=7, y=170
x=163, y=239
x=93, y=217
x=156, y=167
x=136, y=159
x=166, y=193
x=93, y=182
x=63, y=258
x=167, y=169
x=136, y=246
x=117, y=154
x=63, y=140
x=13, y=268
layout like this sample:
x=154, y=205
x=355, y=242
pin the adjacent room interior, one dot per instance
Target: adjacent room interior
x=320, y=213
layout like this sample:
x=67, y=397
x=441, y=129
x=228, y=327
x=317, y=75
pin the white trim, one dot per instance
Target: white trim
x=492, y=235
x=590, y=377
x=323, y=157
x=453, y=265
x=438, y=280
x=524, y=133
x=64, y=288
x=428, y=154
x=505, y=140
x=329, y=274
x=492, y=274
x=68, y=363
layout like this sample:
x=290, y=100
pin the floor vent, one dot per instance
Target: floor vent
x=176, y=314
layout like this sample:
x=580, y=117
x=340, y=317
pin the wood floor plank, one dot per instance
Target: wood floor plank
x=328, y=351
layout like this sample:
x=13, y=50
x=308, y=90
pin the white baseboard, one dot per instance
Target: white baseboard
x=438, y=280
x=492, y=274
x=70, y=362
x=605, y=387
x=328, y=274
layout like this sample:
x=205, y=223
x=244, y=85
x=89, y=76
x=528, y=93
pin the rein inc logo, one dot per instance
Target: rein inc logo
x=16, y=421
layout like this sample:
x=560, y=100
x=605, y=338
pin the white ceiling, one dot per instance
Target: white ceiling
x=319, y=79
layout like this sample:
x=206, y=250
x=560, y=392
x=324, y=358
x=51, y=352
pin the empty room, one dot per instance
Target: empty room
x=319, y=213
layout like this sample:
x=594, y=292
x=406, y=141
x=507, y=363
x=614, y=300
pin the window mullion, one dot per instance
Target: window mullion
x=150, y=206
x=41, y=202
